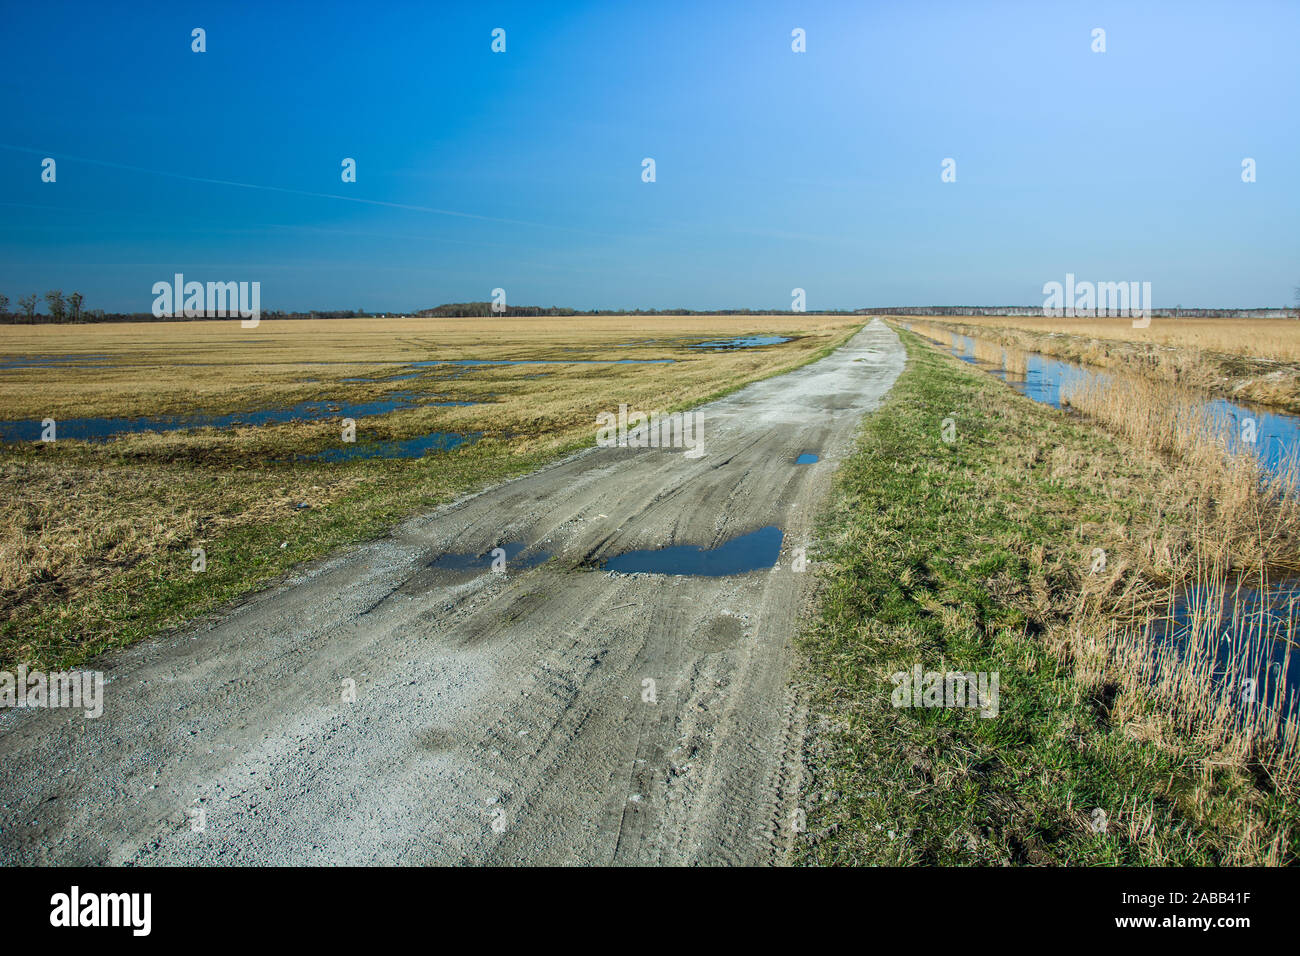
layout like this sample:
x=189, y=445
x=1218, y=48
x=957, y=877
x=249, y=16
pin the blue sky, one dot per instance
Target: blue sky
x=775, y=169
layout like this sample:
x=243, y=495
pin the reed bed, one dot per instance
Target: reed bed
x=990, y=352
x=1248, y=514
x=1185, y=675
x=1015, y=361
x=931, y=332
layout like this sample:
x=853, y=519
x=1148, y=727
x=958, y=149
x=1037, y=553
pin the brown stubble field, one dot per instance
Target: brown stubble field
x=96, y=537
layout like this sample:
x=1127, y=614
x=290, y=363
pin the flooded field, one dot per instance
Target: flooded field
x=103, y=429
x=267, y=447
x=291, y=380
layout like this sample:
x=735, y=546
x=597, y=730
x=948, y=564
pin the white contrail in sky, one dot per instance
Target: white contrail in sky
x=282, y=189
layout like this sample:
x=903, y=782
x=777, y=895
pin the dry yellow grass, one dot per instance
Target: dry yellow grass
x=1249, y=515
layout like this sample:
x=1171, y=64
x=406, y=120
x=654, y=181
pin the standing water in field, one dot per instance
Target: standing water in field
x=102, y=429
x=741, y=342
x=416, y=447
x=46, y=361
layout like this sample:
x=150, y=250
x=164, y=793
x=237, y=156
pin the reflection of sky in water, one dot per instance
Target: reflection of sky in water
x=1044, y=378
x=42, y=361
x=102, y=429
x=415, y=447
x=750, y=552
x=1276, y=434
x=1261, y=623
x=742, y=342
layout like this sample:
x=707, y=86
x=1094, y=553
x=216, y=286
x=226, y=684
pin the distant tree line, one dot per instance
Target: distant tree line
x=59, y=309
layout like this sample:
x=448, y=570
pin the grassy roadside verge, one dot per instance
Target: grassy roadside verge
x=969, y=556
x=142, y=511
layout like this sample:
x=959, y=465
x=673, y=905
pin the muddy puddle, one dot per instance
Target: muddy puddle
x=484, y=560
x=756, y=551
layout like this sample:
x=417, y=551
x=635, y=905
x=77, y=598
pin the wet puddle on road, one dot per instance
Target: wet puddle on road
x=755, y=551
x=482, y=560
x=807, y=458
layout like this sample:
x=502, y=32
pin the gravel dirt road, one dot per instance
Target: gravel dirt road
x=499, y=717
